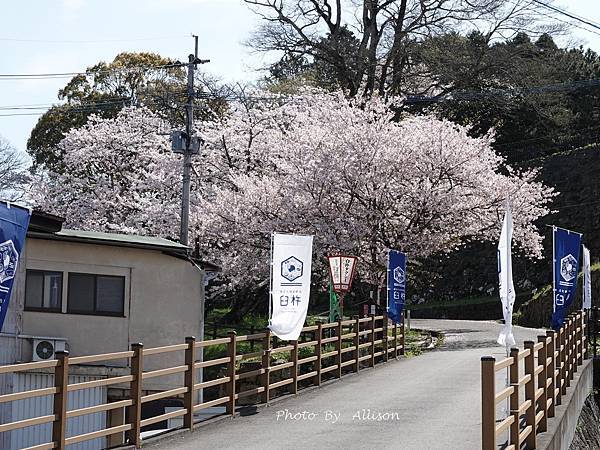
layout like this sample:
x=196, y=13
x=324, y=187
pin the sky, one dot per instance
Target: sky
x=56, y=36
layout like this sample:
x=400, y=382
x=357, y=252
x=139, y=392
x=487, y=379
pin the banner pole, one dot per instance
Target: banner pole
x=584, y=279
x=387, y=282
x=553, y=270
x=508, y=296
x=508, y=268
x=271, y=280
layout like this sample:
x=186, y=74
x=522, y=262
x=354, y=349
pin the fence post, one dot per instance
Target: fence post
x=586, y=324
x=488, y=403
x=543, y=383
x=563, y=362
x=135, y=410
x=569, y=352
x=318, y=349
x=395, y=336
x=595, y=332
x=514, y=398
x=266, y=365
x=530, y=394
x=231, y=352
x=385, y=337
x=589, y=329
x=339, y=348
x=567, y=376
x=580, y=335
x=372, y=360
x=585, y=315
x=356, y=343
x=402, y=332
x=551, y=373
x=573, y=358
x=574, y=344
x=61, y=382
x=294, y=357
x=572, y=349
x=190, y=381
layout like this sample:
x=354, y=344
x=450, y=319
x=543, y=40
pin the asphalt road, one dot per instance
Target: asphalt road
x=426, y=402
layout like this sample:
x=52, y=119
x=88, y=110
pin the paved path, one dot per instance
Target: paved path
x=432, y=402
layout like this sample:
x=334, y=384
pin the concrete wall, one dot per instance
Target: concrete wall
x=163, y=300
x=562, y=428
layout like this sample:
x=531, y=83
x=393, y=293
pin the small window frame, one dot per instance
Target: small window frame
x=95, y=312
x=41, y=308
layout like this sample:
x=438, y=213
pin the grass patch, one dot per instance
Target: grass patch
x=454, y=303
x=413, y=341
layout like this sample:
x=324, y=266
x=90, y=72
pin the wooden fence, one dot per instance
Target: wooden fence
x=534, y=387
x=334, y=349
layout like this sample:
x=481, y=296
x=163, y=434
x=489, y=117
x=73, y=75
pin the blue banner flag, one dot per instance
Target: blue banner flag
x=396, y=284
x=14, y=222
x=566, y=266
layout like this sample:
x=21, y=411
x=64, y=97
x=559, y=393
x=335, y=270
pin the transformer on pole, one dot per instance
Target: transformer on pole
x=185, y=143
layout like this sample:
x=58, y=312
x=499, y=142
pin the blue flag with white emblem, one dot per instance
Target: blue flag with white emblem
x=396, y=284
x=14, y=222
x=566, y=266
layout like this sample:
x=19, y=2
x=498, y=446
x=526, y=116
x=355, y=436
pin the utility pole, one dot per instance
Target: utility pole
x=191, y=144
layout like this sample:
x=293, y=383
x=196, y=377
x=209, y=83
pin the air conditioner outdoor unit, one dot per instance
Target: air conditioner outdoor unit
x=45, y=348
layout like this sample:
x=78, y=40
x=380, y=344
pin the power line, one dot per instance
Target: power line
x=567, y=14
x=92, y=107
x=38, y=76
x=47, y=106
x=570, y=136
x=562, y=21
x=73, y=41
x=473, y=95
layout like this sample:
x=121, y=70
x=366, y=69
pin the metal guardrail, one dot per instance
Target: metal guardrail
x=547, y=372
x=346, y=345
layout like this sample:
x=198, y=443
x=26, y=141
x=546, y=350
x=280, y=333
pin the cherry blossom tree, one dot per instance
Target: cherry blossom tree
x=121, y=177
x=361, y=182
x=346, y=171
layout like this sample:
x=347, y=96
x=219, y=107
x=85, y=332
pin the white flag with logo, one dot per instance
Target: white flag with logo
x=587, y=279
x=290, y=284
x=507, y=289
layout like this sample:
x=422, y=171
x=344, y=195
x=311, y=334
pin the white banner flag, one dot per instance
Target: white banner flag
x=507, y=289
x=290, y=284
x=587, y=279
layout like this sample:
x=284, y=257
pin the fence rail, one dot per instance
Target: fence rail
x=538, y=377
x=337, y=348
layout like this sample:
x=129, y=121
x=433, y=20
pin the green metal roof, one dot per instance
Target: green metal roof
x=124, y=240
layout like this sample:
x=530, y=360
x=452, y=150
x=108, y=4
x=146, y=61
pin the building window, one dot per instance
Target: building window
x=43, y=291
x=96, y=294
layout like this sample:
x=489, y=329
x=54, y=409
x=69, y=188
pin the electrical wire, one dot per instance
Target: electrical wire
x=555, y=136
x=473, y=95
x=72, y=41
x=75, y=109
x=38, y=76
x=566, y=22
x=567, y=14
x=47, y=106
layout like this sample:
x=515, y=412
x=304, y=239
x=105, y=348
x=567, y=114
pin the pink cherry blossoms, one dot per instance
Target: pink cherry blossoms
x=317, y=164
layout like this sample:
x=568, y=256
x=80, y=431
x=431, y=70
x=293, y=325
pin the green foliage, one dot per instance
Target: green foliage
x=413, y=340
x=466, y=301
x=527, y=91
x=538, y=311
x=330, y=67
x=130, y=79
